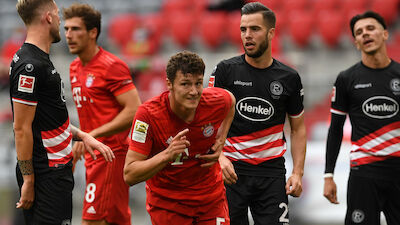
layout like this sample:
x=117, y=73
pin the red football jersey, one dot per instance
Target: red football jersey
x=183, y=180
x=94, y=87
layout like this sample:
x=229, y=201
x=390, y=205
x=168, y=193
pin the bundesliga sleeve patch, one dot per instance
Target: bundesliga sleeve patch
x=211, y=81
x=139, y=132
x=26, y=83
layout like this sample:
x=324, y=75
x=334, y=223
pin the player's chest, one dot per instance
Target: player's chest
x=376, y=98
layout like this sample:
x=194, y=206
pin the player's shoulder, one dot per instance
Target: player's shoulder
x=215, y=95
x=27, y=60
x=236, y=60
x=109, y=59
x=279, y=65
x=156, y=106
x=351, y=71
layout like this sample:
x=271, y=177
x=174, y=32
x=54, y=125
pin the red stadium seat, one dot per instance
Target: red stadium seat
x=181, y=28
x=330, y=26
x=388, y=9
x=354, y=6
x=121, y=27
x=272, y=4
x=300, y=27
x=281, y=22
x=233, y=25
x=145, y=38
x=295, y=5
x=213, y=28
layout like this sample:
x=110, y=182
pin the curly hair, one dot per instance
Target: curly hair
x=186, y=62
x=91, y=17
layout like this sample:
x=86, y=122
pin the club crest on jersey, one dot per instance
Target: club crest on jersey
x=29, y=67
x=276, y=88
x=395, y=84
x=89, y=80
x=208, y=130
x=139, y=131
x=357, y=216
x=26, y=83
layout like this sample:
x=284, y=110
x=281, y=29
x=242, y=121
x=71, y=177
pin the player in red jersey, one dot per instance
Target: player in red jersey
x=106, y=101
x=176, y=140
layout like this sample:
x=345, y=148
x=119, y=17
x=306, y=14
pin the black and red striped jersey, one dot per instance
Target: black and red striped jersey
x=256, y=142
x=35, y=81
x=371, y=98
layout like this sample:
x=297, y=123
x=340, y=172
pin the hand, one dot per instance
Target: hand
x=294, y=185
x=27, y=196
x=228, y=171
x=78, y=150
x=91, y=143
x=330, y=190
x=177, y=146
x=213, y=155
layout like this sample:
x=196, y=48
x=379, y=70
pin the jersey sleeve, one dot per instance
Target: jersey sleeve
x=339, y=99
x=119, y=79
x=228, y=100
x=140, y=136
x=295, y=106
x=217, y=78
x=24, y=82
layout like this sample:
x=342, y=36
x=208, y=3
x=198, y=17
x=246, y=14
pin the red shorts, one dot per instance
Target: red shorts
x=107, y=194
x=217, y=214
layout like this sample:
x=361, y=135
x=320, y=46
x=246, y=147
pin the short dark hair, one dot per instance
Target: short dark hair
x=91, y=17
x=256, y=7
x=28, y=10
x=367, y=14
x=186, y=62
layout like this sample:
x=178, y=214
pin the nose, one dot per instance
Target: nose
x=193, y=90
x=67, y=33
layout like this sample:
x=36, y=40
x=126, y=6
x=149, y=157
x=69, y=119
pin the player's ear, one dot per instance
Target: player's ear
x=47, y=17
x=169, y=84
x=93, y=33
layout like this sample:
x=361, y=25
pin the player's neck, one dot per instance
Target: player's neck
x=39, y=37
x=262, y=62
x=88, y=53
x=376, y=61
x=180, y=111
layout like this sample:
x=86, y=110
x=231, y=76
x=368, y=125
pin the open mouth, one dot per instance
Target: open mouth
x=366, y=42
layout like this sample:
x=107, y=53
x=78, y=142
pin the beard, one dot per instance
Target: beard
x=55, y=34
x=260, y=51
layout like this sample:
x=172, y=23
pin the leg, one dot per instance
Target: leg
x=362, y=202
x=391, y=208
x=238, y=202
x=269, y=202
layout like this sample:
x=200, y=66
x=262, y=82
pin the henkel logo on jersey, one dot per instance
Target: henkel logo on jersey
x=255, y=109
x=380, y=107
x=26, y=83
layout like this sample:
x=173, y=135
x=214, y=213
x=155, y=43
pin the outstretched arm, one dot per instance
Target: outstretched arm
x=298, y=140
x=91, y=143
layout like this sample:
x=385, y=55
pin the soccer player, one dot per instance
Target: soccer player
x=369, y=93
x=43, y=133
x=176, y=139
x=266, y=91
x=106, y=101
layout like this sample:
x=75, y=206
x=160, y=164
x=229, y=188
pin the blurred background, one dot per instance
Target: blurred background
x=312, y=36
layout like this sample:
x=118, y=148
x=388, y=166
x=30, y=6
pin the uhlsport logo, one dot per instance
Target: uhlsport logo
x=255, y=109
x=380, y=107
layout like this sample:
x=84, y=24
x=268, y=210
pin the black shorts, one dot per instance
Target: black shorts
x=266, y=197
x=368, y=197
x=53, y=198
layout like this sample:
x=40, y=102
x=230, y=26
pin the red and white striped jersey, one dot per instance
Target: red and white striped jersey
x=263, y=99
x=35, y=81
x=371, y=98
